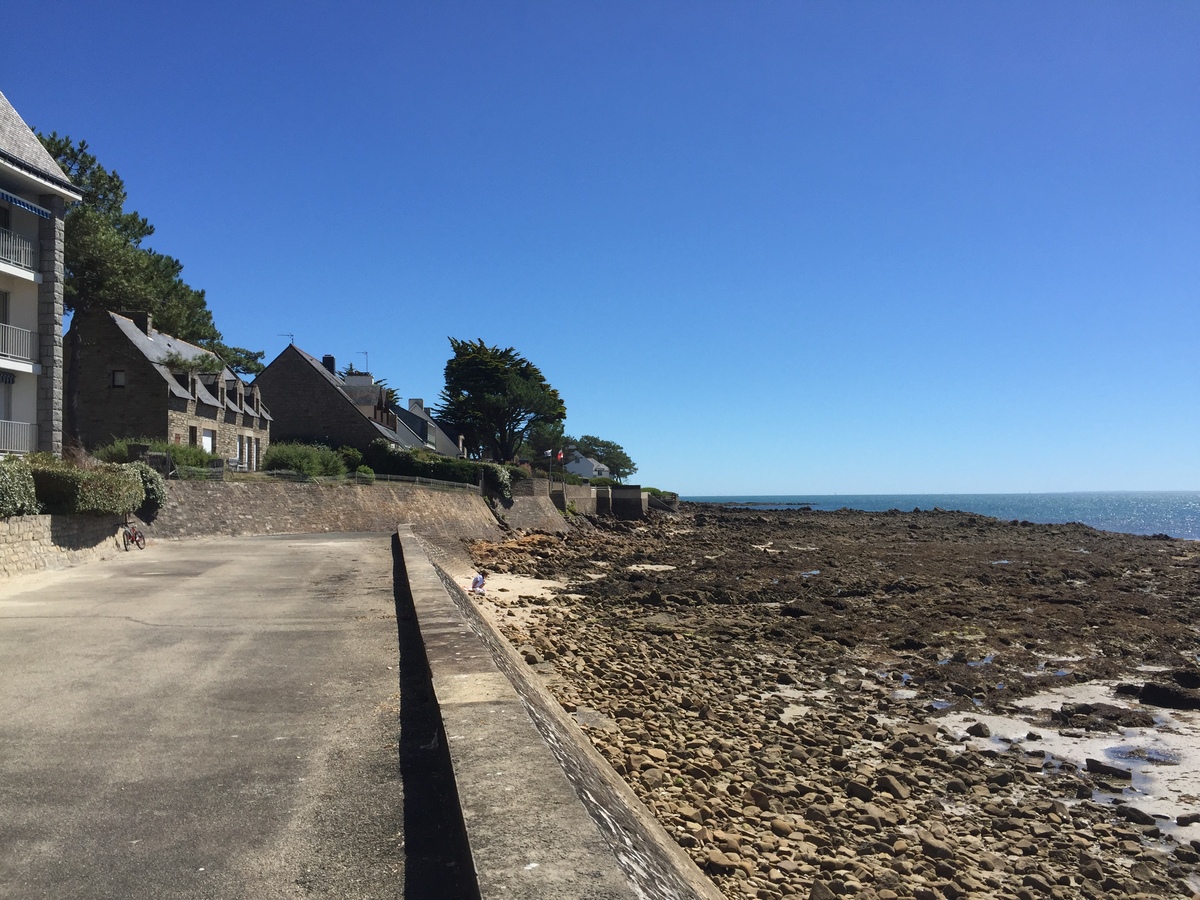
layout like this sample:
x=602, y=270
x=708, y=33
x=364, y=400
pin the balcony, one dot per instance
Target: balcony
x=17, y=250
x=18, y=343
x=17, y=437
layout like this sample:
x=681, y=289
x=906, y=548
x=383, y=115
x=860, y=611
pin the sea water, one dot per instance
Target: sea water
x=1176, y=513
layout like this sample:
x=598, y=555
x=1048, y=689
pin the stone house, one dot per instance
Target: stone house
x=34, y=194
x=128, y=391
x=419, y=421
x=311, y=403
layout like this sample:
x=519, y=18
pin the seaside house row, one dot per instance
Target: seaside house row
x=34, y=195
x=135, y=381
x=311, y=402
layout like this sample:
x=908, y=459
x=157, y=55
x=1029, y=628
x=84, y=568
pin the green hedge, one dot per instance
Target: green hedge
x=388, y=459
x=106, y=490
x=313, y=460
x=18, y=496
x=153, y=485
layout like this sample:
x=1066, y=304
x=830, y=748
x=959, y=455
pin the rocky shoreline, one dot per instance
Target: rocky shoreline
x=800, y=696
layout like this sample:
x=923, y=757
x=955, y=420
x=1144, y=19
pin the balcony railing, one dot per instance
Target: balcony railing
x=17, y=437
x=16, y=250
x=17, y=343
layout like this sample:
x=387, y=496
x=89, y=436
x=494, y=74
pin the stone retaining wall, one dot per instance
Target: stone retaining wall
x=33, y=543
x=210, y=508
x=199, y=508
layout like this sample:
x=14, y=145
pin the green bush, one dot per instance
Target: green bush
x=352, y=457
x=365, y=474
x=153, y=486
x=107, y=489
x=603, y=482
x=388, y=459
x=181, y=454
x=313, y=460
x=18, y=496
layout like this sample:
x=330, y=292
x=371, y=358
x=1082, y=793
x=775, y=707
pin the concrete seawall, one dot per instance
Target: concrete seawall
x=545, y=815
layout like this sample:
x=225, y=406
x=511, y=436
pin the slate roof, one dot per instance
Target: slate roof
x=401, y=438
x=20, y=148
x=155, y=345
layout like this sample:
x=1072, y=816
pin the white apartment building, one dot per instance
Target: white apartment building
x=34, y=194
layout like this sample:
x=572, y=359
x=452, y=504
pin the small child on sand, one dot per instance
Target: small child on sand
x=477, y=583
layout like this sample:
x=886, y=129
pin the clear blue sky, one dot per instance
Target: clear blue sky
x=772, y=247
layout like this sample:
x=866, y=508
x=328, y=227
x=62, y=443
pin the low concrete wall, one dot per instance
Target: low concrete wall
x=629, y=501
x=33, y=543
x=545, y=815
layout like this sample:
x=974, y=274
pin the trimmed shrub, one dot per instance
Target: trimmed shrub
x=153, y=486
x=105, y=490
x=18, y=496
x=365, y=474
x=313, y=460
x=388, y=459
x=603, y=482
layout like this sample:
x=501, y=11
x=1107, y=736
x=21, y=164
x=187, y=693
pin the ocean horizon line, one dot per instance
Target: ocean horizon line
x=1173, y=513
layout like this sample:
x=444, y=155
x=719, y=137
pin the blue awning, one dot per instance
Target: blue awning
x=26, y=205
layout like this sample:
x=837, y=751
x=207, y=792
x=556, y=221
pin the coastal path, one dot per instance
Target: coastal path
x=204, y=719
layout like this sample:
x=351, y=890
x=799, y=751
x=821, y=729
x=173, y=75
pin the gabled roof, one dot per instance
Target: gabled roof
x=155, y=345
x=336, y=382
x=20, y=148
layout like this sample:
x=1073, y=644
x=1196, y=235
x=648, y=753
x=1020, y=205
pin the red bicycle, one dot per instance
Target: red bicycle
x=131, y=534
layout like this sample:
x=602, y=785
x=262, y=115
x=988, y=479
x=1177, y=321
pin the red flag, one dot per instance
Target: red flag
x=560, y=455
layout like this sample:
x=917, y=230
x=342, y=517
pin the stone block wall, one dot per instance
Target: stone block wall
x=531, y=487
x=203, y=508
x=33, y=543
x=210, y=508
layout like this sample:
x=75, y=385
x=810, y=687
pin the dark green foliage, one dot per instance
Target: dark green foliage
x=313, y=460
x=18, y=496
x=620, y=466
x=105, y=490
x=238, y=359
x=494, y=397
x=153, y=486
x=602, y=482
x=662, y=495
x=387, y=459
x=107, y=267
x=365, y=475
x=351, y=456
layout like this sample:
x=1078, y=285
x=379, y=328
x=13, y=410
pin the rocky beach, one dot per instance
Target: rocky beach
x=881, y=705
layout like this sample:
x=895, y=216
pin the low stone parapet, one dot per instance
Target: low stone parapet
x=33, y=543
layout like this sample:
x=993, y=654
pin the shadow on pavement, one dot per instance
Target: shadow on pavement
x=437, y=862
